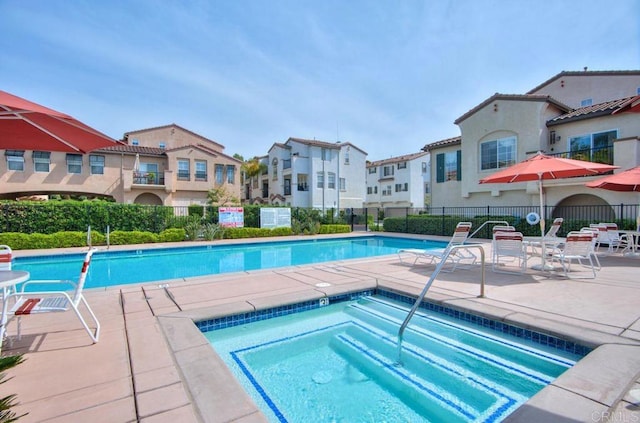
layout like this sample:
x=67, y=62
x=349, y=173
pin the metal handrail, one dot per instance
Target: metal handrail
x=504, y=222
x=435, y=273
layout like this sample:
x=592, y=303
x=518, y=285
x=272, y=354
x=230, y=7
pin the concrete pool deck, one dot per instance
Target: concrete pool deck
x=153, y=365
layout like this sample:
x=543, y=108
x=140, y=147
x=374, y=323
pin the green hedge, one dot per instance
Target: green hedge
x=335, y=229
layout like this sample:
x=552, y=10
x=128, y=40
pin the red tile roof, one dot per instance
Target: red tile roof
x=513, y=97
x=442, y=143
x=134, y=149
x=595, y=110
x=397, y=159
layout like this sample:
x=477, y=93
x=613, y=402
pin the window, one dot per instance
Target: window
x=369, y=190
x=387, y=191
x=320, y=179
x=162, y=145
x=448, y=166
x=346, y=157
x=372, y=170
x=332, y=181
x=387, y=170
x=498, y=153
x=41, y=161
x=402, y=165
x=134, y=141
x=343, y=184
x=201, y=170
x=427, y=190
x=375, y=189
x=74, y=163
x=424, y=167
x=15, y=160
x=184, y=173
x=325, y=154
x=586, y=102
x=231, y=174
x=402, y=187
x=219, y=174
x=638, y=91
x=274, y=168
x=302, y=182
x=596, y=147
x=96, y=165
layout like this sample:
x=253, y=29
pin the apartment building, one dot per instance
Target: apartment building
x=311, y=174
x=401, y=181
x=588, y=115
x=166, y=165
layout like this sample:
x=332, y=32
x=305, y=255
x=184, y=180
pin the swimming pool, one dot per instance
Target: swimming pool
x=110, y=268
x=338, y=363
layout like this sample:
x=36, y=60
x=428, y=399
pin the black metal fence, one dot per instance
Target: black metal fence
x=49, y=218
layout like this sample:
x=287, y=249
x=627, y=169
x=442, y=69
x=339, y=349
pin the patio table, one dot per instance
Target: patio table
x=633, y=241
x=547, y=243
x=9, y=279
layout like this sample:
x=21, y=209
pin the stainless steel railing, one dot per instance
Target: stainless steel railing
x=435, y=273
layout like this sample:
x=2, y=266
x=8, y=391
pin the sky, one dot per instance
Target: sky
x=388, y=76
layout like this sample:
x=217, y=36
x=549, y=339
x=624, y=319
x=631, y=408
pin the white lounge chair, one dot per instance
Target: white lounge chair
x=579, y=247
x=508, y=247
x=459, y=237
x=5, y=257
x=28, y=303
x=551, y=233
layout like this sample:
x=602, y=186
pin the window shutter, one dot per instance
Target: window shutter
x=459, y=165
x=440, y=167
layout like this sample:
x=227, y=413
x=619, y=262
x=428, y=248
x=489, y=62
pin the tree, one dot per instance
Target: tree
x=253, y=168
x=221, y=197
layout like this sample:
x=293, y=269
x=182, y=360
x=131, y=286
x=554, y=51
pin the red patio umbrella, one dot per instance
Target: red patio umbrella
x=541, y=167
x=629, y=180
x=25, y=125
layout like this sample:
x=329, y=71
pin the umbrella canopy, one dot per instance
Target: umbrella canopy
x=541, y=167
x=629, y=180
x=25, y=125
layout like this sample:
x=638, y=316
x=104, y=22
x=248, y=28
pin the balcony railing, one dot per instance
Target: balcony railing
x=596, y=155
x=147, y=178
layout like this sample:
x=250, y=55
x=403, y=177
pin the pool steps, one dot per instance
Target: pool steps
x=370, y=344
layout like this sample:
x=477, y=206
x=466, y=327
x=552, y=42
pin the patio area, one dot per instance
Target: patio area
x=152, y=364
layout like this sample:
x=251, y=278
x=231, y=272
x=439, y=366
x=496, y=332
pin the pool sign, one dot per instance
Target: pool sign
x=231, y=217
x=275, y=217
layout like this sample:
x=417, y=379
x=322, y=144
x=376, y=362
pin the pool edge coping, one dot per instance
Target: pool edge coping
x=597, y=382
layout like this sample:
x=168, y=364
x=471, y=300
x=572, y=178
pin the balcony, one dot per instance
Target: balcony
x=147, y=178
x=596, y=155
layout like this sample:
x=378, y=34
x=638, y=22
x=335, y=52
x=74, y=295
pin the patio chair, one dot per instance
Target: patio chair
x=28, y=303
x=579, y=247
x=508, y=247
x=608, y=235
x=551, y=233
x=594, y=243
x=459, y=237
x=5, y=257
x=494, y=230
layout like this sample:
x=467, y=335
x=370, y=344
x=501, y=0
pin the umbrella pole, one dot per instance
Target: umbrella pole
x=543, y=265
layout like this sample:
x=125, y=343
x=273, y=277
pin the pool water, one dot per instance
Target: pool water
x=137, y=266
x=339, y=364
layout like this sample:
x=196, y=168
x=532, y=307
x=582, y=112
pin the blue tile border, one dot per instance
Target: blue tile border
x=501, y=327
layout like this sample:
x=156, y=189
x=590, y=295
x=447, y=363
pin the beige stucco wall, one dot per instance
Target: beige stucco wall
x=572, y=89
x=172, y=137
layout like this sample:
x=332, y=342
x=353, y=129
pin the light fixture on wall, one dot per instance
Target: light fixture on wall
x=495, y=107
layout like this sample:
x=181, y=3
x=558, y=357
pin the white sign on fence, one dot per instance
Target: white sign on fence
x=231, y=217
x=276, y=217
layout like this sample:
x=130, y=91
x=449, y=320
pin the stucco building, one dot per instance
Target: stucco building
x=166, y=165
x=588, y=115
x=401, y=181
x=311, y=174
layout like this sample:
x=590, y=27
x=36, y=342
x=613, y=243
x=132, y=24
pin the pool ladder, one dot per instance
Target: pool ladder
x=450, y=250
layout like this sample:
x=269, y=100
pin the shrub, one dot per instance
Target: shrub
x=15, y=240
x=196, y=210
x=133, y=237
x=193, y=229
x=210, y=231
x=334, y=229
x=172, y=235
